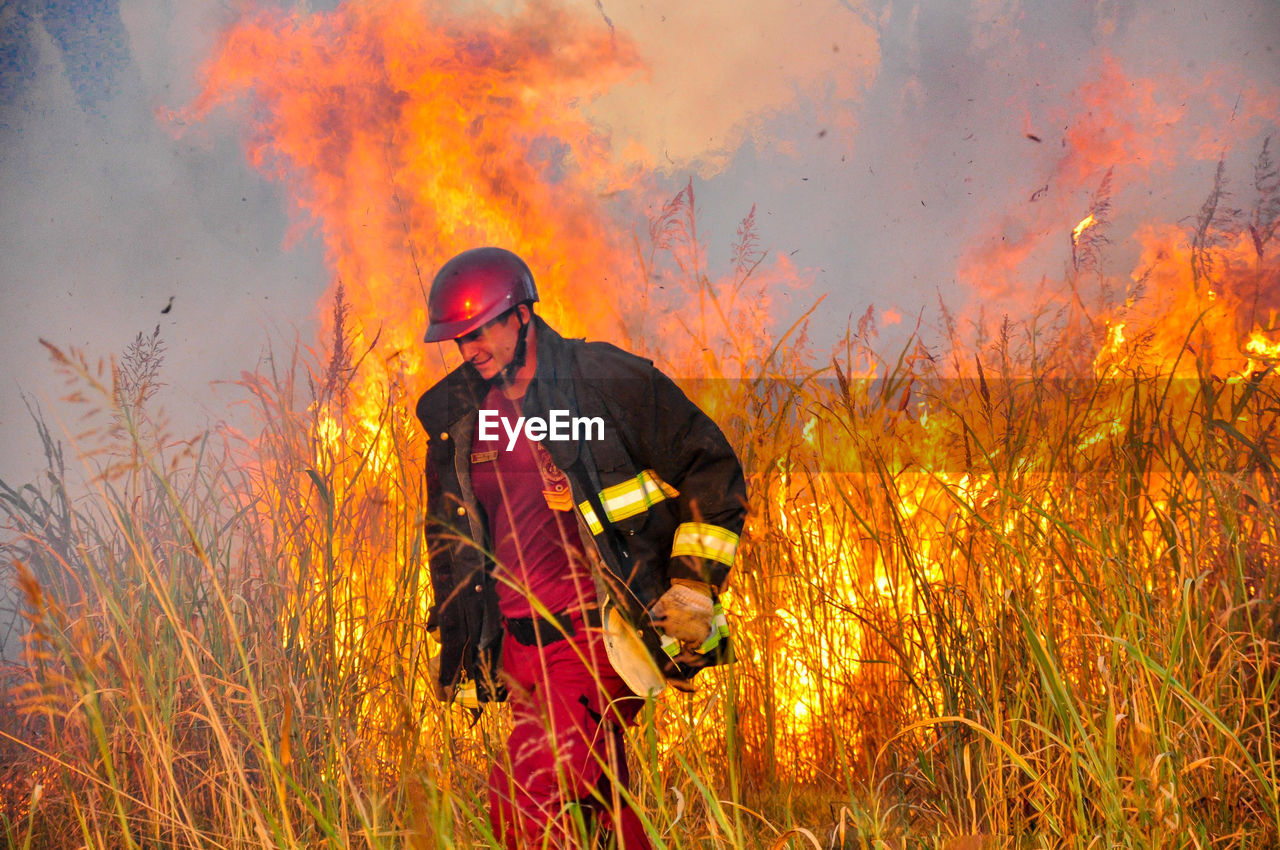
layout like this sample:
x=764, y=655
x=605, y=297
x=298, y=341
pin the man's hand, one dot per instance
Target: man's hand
x=684, y=612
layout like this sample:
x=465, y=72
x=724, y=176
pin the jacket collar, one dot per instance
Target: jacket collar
x=553, y=388
x=451, y=399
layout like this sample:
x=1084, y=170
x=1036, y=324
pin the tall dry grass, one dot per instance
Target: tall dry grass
x=1000, y=598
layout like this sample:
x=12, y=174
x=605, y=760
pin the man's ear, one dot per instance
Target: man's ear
x=525, y=312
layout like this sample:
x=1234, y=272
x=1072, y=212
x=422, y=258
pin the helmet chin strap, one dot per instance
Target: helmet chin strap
x=508, y=374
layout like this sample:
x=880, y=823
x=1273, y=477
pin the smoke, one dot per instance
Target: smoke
x=106, y=217
x=885, y=143
x=991, y=126
x=717, y=75
x=1129, y=138
x=718, y=71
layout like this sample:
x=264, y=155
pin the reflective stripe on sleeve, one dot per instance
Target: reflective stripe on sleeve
x=719, y=629
x=702, y=540
x=635, y=495
x=631, y=497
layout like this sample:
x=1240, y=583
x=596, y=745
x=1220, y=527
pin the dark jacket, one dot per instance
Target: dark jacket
x=662, y=494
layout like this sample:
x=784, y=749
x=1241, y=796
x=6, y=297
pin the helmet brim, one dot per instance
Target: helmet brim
x=445, y=331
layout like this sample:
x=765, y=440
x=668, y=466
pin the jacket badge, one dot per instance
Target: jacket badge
x=555, y=484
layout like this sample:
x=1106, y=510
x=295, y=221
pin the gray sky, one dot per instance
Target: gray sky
x=886, y=144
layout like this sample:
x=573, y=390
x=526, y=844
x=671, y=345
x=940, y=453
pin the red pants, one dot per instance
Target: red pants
x=568, y=710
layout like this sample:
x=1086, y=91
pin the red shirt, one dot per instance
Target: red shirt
x=538, y=551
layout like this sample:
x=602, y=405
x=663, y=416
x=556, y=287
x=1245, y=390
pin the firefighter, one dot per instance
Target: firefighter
x=582, y=518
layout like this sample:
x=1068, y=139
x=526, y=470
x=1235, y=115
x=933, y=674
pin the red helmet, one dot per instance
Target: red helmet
x=475, y=287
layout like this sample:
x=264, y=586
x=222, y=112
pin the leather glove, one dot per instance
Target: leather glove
x=684, y=612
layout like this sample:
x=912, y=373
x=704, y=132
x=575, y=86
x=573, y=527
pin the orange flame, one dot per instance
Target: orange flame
x=408, y=136
x=1085, y=223
x=1167, y=311
x=1260, y=345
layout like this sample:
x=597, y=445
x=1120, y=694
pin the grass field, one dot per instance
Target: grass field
x=1018, y=593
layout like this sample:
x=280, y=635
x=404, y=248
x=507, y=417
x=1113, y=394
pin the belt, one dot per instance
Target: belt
x=530, y=631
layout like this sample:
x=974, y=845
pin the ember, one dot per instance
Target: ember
x=1085, y=223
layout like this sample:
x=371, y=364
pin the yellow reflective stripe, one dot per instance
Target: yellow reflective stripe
x=593, y=522
x=635, y=495
x=632, y=497
x=701, y=540
x=719, y=629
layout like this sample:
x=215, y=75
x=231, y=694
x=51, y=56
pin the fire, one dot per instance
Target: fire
x=407, y=137
x=1219, y=322
x=1259, y=344
x=975, y=558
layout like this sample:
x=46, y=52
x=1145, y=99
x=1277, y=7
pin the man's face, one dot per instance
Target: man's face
x=492, y=346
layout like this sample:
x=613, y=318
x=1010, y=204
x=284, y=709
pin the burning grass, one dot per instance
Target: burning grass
x=1024, y=595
